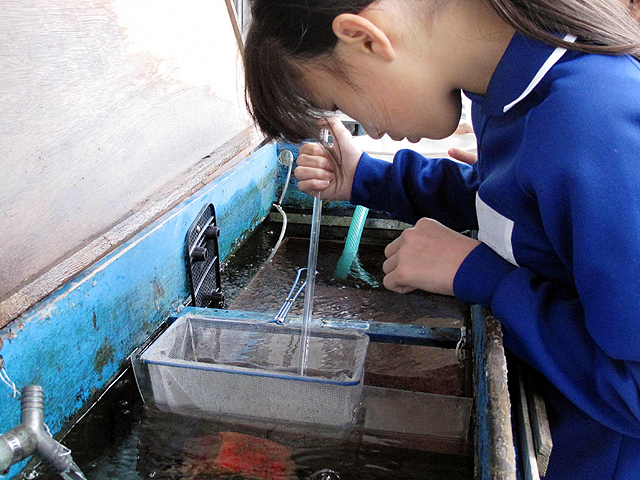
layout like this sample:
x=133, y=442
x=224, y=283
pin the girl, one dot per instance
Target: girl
x=555, y=193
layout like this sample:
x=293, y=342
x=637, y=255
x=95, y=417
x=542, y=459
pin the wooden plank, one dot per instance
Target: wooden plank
x=495, y=454
x=526, y=446
x=104, y=104
x=236, y=27
x=214, y=165
x=539, y=423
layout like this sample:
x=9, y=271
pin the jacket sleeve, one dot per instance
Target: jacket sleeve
x=414, y=186
x=585, y=337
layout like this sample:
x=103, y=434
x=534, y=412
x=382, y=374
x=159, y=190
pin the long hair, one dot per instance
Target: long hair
x=282, y=35
x=285, y=34
x=601, y=26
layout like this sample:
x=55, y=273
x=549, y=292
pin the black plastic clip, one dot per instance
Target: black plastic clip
x=203, y=260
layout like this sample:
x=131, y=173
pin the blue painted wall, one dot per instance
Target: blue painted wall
x=76, y=339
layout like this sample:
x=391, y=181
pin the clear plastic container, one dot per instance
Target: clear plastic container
x=250, y=368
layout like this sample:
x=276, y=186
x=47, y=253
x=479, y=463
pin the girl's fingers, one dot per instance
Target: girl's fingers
x=314, y=161
x=393, y=247
x=390, y=264
x=391, y=282
x=308, y=173
x=393, y=279
x=316, y=164
x=463, y=156
x=315, y=171
x=338, y=130
x=312, y=149
x=313, y=185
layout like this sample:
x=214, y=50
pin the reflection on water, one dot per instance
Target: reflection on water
x=352, y=299
x=260, y=346
x=121, y=439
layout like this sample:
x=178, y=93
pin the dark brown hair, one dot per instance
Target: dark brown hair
x=601, y=26
x=282, y=35
x=285, y=34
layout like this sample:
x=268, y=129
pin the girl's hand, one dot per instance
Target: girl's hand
x=425, y=257
x=316, y=171
x=463, y=156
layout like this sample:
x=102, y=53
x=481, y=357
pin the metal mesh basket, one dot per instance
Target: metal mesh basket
x=249, y=368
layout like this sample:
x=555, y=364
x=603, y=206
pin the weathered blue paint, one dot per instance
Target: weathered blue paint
x=495, y=455
x=481, y=394
x=405, y=334
x=74, y=341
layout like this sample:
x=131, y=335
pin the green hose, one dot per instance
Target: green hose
x=348, y=262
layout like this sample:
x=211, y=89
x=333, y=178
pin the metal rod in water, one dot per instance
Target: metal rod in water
x=311, y=282
x=296, y=288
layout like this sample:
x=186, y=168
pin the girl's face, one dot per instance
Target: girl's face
x=400, y=106
x=397, y=74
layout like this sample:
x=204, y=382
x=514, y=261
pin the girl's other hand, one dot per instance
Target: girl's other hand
x=426, y=257
x=316, y=171
x=463, y=156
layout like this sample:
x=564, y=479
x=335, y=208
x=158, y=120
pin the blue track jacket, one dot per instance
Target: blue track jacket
x=555, y=196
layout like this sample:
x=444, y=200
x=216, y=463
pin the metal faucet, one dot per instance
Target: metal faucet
x=32, y=436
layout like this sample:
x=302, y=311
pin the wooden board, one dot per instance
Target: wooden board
x=105, y=103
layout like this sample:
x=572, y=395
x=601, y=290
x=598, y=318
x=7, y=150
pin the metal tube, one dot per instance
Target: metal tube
x=16, y=445
x=32, y=436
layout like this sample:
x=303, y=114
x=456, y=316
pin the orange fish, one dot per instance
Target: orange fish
x=231, y=453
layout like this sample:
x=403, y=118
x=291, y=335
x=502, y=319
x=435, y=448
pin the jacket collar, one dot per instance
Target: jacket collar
x=524, y=64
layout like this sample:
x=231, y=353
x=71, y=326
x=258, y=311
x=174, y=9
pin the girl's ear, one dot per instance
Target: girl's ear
x=362, y=35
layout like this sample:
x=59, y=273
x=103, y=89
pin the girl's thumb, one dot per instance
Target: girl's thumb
x=338, y=130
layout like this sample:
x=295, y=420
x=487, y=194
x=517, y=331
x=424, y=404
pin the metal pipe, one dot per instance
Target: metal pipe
x=32, y=436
